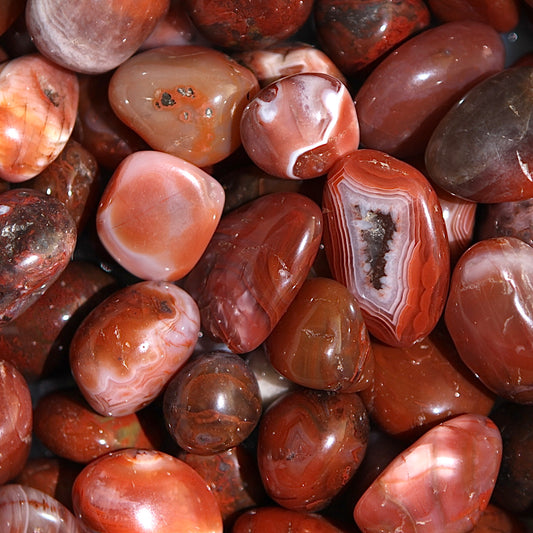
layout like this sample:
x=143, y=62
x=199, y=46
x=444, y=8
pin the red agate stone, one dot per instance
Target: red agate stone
x=212, y=403
x=37, y=240
x=441, y=483
x=131, y=345
x=354, y=33
x=275, y=62
x=502, y=15
x=184, y=100
x=488, y=315
x=321, y=342
x=95, y=37
x=69, y=428
x=27, y=509
x=36, y=342
x=157, y=215
x=38, y=103
x=492, y=167
x=16, y=419
x=386, y=241
x=444, y=386
x=431, y=71
x=144, y=490
x=282, y=520
x=11, y=9
x=310, y=444
x=253, y=267
x=244, y=25
x=497, y=520
x=300, y=125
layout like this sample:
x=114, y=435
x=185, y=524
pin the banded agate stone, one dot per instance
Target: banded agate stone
x=253, y=267
x=385, y=239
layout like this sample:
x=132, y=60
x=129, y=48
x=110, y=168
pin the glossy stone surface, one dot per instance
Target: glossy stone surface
x=481, y=150
x=37, y=239
x=355, y=33
x=502, y=15
x=68, y=427
x=244, y=25
x=310, y=444
x=28, y=509
x=98, y=129
x=441, y=483
x=72, y=179
x=212, y=403
x=488, y=315
x=95, y=37
x=431, y=71
x=16, y=420
x=130, y=345
x=163, y=234
x=300, y=125
x=36, y=342
x=233, y=478
x=386, y=241
x=282, y=521
x=507, y=219
x=285, y=59
x=253, y=268
x=144, y=490
x=514, y=487
x=321, y=342
x=444, y=386
x=38, y=102
x=184, y=100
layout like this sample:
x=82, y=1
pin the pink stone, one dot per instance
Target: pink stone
x=158, y=214
x=300, y=125
x=440, y=484
x=130, y=346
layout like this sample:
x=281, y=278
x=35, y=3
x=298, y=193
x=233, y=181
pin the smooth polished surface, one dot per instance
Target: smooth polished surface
x=440, y=484
x=431, y=71
x=300, y=125
x=16, y=418
x=488, y=315
x=36, y=342
x=321, y=342
x=24, y=509
x=386, y=241
x=130, y=346
x=157, y=215
x=212, y=403
x=310, y=444
x=144, y=491
x=37, y=240
x=445, y=387
x=95, y=37
x=184, y=100
x=242, y=24
x=68, y=427
x=481, y=149
x=355, y=33
x=253, y=268
x=38, y=102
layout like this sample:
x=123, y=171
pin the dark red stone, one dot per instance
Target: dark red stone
x=496, y=520
x=253, y=268
x=310, y=445
x=241, y=24
x=321, y=342
x=488, y=315
x=386, y=241
x=37, y=341
x=37, y=239
x=212, y=403
x=355, y=33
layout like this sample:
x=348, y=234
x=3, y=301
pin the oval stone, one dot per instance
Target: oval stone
x=386, y=240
